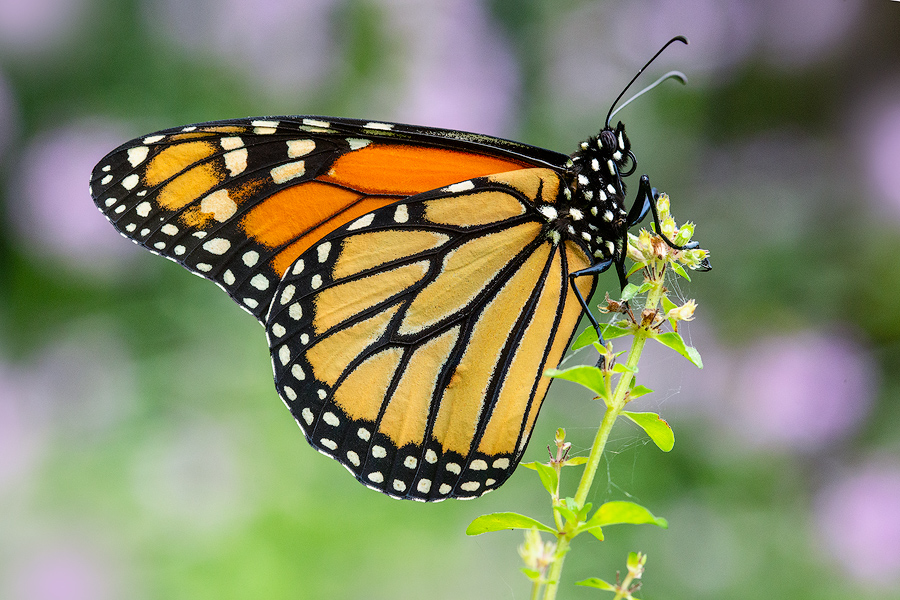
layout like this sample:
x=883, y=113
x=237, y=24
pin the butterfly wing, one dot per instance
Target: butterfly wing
x=410, y=343
x=237, y=202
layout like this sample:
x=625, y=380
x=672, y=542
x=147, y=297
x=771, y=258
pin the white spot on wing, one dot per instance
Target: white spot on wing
x=286, y=172
x=358, y=143
x=297, y=372
x=137, y=155
x=323, y=251
x=295, y=311
x=130, y=182
x=231, y=143
x=217, y=246
x=152, y=139
x=381, y=126
x=298, y=148
x=460, y=187
x=424, y=486
x=236, y=162
x=379, y=451
x=250, y=258
x=284, y=355
x=287, y=294
x=142, y=209
x=307, y=416
x=264, y=127
x=331, y=419
x=453, y=468
x=376, y=477
x=260, y=282
x=401, y=214
x=361, y=222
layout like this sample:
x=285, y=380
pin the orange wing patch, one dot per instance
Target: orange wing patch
x=404, y=169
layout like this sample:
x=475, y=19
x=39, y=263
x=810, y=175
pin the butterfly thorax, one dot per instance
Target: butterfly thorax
x=596, y=210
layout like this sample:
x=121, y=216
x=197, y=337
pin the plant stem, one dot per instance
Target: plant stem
x=614, y=408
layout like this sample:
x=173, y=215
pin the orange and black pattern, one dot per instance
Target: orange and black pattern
x=414, y=283
x=409, y=344
x=238, y=201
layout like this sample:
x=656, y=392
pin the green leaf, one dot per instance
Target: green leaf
x=617, y=512
x=676, y=343
x=656, y=427
x=531, y=574
x=638, y=391
x=575, y=461
x=589, y=377
x=612, y=331
x=630, y=291
x=622, y=368
x=598, y=583
x=567, y=514
x=668, y=304
x=549, y=477
x=634, y=269
x=595, y=531
x=585, y=339
x=680, y=270
x=504, y=520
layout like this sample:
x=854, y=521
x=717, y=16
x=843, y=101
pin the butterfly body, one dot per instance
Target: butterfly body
x=414, y=283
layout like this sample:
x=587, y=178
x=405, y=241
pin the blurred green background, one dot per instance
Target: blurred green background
x=144, y=453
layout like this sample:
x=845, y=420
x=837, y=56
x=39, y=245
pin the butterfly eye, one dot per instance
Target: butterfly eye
x=608, y=140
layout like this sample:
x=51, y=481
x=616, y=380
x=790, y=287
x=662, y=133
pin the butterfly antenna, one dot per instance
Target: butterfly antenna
x=678, y=38
x=670, y=75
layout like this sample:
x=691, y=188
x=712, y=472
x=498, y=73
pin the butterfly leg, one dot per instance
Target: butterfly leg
x=593, y=270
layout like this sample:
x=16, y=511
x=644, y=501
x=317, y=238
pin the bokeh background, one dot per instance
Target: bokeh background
x=144, y=453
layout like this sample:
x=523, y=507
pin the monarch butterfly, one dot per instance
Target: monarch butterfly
x=414, y=283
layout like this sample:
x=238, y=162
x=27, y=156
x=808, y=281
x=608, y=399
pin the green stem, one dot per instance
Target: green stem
x=614, y=408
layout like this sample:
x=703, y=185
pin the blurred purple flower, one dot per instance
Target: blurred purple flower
x=458, y=70
x=37, y=25
x=23, y=433
x=72, y=569
x=858, y=519
x=83, y=382
x=881, y=131
x=283, y=44
x=49, y=202
x=79, y=387
x=802, y=392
